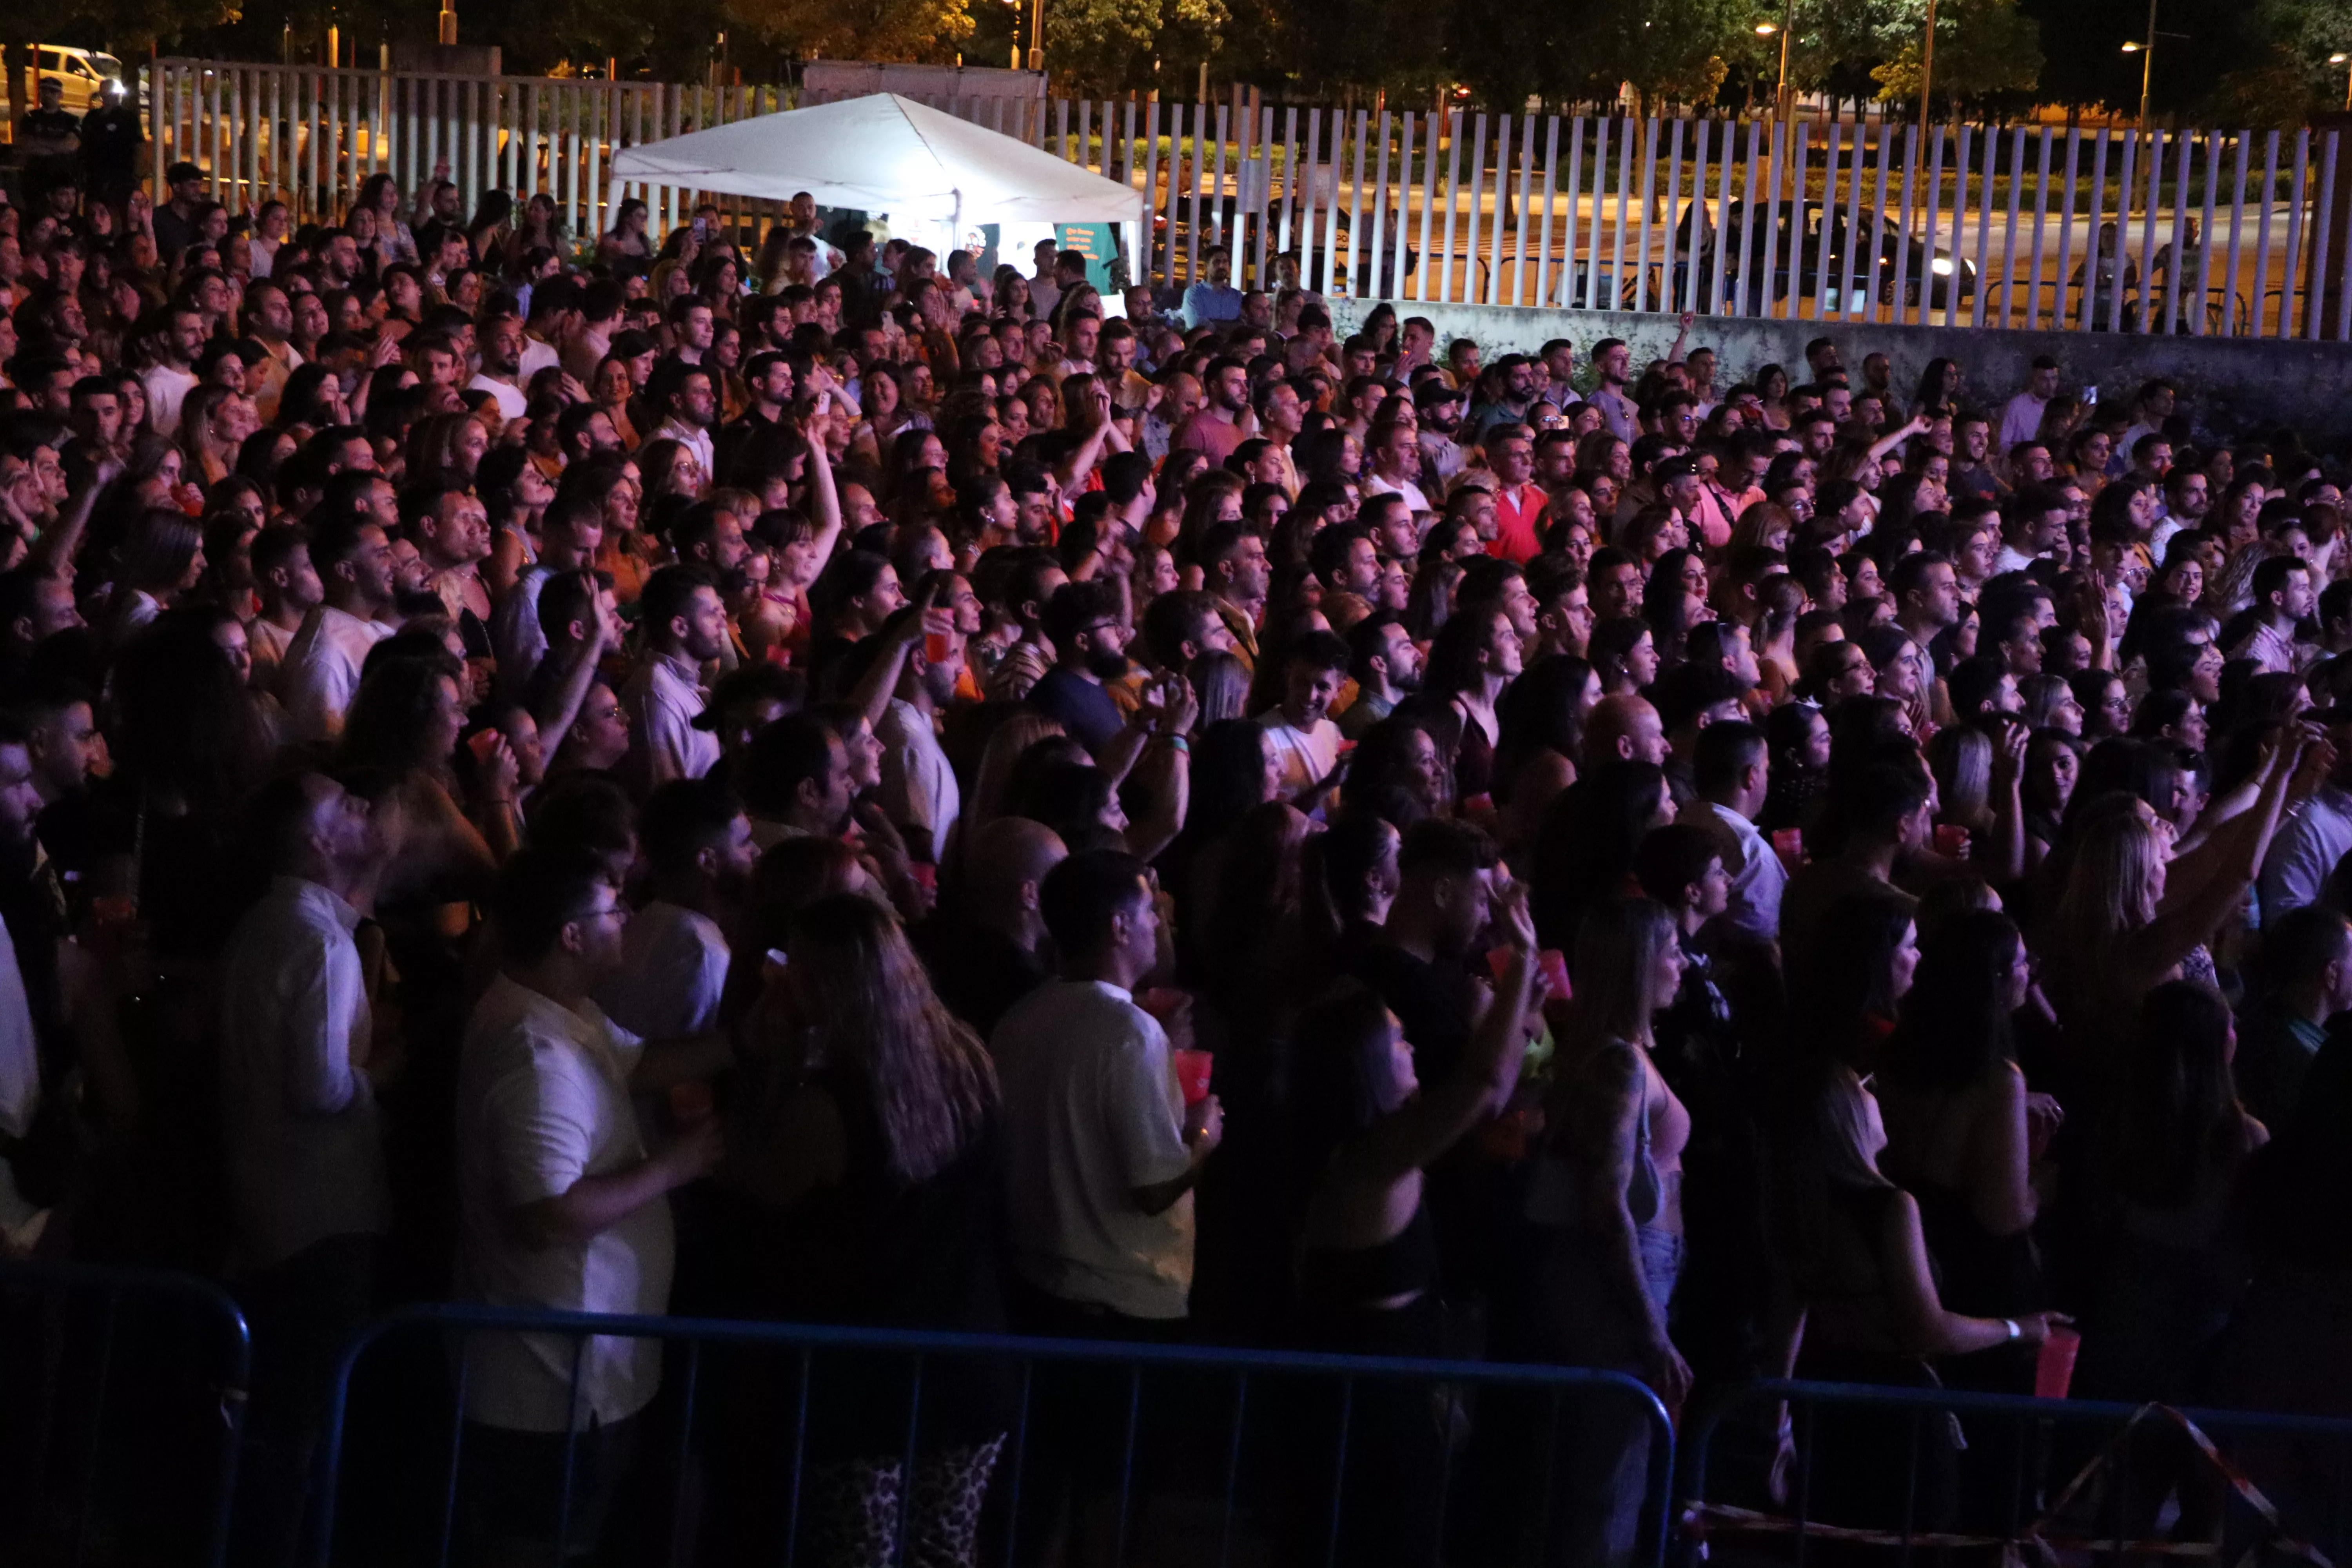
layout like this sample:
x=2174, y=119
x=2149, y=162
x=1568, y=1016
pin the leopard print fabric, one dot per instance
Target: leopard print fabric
x=856, y=1510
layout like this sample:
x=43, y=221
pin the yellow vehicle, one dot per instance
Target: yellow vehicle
x=88, y=76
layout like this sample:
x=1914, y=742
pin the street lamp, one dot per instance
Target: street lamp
x=2147, y=53
x=1786, y=27
x=1927, y=69
x=2339, y=59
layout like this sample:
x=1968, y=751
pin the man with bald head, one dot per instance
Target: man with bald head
x=1625, y=727
x=991, y=951
x=1179, y=398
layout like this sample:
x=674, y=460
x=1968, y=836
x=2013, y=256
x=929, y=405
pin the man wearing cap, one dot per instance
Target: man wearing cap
x=1439, y=409
x=47, y=140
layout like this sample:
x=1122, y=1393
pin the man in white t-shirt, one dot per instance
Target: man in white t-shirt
x=697, y=840
x=2021, y=418
x=561, y=1209
x=320, y=673
x=1100, y=1152
x=1306, y=742
x=169, y=378
x=501, y=374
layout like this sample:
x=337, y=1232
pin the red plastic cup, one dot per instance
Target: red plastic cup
x=1552, y=965
x=1789, y=844
x=936, y=647
x=2053, y=1374
x=1951, y=840
x=1192, y=1074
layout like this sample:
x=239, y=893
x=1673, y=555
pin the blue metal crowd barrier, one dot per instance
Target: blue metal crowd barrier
x=122, y=1397
x=2018, y=1478
x=1303, y=1416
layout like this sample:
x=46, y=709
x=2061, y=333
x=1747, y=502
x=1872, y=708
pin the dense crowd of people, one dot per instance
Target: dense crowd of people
x=839, y=784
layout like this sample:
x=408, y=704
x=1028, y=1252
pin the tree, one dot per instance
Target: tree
x=1983, y=48
x=922, y=30
x=1510, y=51
x=1106, y=46
x=2285, y=80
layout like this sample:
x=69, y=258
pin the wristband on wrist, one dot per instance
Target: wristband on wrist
x=2010, y=1324
x=1179, y=743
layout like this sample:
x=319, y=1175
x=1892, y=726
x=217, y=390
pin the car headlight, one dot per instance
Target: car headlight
x=1941, y=266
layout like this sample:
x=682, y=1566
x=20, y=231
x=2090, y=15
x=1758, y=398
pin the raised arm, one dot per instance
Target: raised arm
x=1481, y=1085
x=2189, y=918
x=824, y=494
x=872, y=694
x=56, y=549
x=1887, y=443
x=2004, y=852
x=1173, y=712
x=559, y=708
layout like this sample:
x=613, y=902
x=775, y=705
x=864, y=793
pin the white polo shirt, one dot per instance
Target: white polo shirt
x=542, y=1100
x=1092, y=1113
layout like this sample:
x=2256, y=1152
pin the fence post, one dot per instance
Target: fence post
x=2316, y=290
x=1830, y=137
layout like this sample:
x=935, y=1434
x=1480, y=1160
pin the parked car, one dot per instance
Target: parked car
x=1796, y=269
x=1221, y=221
x=88, y=76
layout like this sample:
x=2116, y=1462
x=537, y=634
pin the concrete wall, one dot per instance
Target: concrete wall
x=2229, y=386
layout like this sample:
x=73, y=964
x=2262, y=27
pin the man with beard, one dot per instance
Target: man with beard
x=1438, y=409
x=690, y=408
x=1081, y=621
x=1387, y=666
x=685, y=627
x=501, y=374
x=1225, y=421
x=764, y=439
x=695, y=837
x=1614, y=363
x=796, y=781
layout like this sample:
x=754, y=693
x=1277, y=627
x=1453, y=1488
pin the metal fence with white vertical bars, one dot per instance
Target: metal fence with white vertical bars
x=2230, y=233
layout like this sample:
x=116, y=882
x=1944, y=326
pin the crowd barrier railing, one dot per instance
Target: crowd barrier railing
x=122, y=1395
x=1917, y=1474
x=1216, y=1455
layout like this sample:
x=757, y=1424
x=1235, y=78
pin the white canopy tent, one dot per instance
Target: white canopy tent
x=885, y=154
